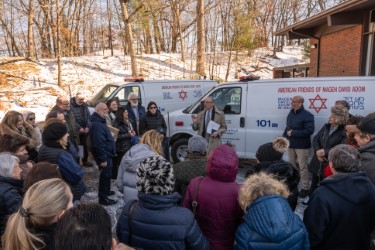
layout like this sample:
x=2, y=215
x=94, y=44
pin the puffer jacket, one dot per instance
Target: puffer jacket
x=158, y=223
x=368, y=159
x=70, y=170
x=11, y=195
x=81, y=113
x=270, y=223
x=150, y=121
x=218, y=212
x=127, y=172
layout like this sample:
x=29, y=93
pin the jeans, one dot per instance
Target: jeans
x=105, y=179
x=300, y=157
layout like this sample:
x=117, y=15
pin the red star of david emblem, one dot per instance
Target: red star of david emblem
x=315, y=106
x=183, y=95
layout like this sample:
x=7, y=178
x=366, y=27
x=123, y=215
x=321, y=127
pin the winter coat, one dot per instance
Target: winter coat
x=218, y=212
x=11, y=195
x=286, y=173
x=301, y=122
x=132, y=118
x=269, y=223
x=37, y=138
x=158, y=223
x=341, y=214
x=187, y=170
x=70, y=170
x=150, y=121
x=29, y=133
x=47, y=234
x=368, y=159
x=216, y=116
x=102, y=142
x=126, y=177
x=123, y=141
x=71, y=123
x=322, y=140
x=81, y=113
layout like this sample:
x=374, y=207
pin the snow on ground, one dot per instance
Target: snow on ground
x=35, y=86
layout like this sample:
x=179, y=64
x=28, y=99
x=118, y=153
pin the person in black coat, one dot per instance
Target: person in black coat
x=11, y=187
x=330, y=135
x=155, y=120
x=341, y=214
x=269, y=156
x=124, y=137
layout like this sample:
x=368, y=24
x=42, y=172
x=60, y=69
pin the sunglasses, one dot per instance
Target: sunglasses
x=30, y=119
x=152, y=107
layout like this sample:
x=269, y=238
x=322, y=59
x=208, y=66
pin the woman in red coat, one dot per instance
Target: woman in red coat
x=218, y=212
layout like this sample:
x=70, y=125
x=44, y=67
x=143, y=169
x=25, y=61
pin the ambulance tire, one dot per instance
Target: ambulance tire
x=179, y=150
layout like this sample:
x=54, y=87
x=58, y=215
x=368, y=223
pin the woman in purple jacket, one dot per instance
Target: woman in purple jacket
x=218, y=212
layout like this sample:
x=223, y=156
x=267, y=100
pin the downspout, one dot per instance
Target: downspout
x=318, y=47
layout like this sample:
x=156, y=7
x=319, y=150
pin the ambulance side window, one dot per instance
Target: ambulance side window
x=123, y=93
x=228, y=99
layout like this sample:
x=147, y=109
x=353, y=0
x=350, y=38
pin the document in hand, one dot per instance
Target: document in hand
x=212, y=127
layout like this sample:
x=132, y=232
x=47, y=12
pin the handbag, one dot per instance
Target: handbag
x=194, y=204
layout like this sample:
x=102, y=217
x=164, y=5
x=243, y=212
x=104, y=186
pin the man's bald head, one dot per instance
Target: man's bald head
x=101, y=108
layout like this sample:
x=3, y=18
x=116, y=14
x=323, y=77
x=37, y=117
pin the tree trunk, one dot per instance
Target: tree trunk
x=200, y=39
x=30, y=33
x=129, y=36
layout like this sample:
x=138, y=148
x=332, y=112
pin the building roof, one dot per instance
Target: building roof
x=343, y=15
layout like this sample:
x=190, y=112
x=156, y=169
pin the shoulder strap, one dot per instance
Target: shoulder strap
x=194, y=204
x=130, y=221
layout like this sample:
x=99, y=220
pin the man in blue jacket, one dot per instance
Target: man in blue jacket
x=103, y=149
x=299, y=128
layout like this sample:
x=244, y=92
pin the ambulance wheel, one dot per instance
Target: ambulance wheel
x=179, y=150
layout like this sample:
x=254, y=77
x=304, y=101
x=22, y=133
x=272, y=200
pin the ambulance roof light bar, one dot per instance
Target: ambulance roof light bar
x=134, y=79
x=249, y=78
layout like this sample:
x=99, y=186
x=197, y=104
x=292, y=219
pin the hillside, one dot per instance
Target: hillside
x=33, y=84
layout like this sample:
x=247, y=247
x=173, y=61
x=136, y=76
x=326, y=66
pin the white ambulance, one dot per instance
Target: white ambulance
x=169, y=95
x=256, y=111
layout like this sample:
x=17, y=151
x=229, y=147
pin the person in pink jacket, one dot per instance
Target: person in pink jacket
x=218, y=212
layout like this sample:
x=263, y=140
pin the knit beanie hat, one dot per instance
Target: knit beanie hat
x=197, y=144
x=272, y=151
x=155, y=176
x=54, y=132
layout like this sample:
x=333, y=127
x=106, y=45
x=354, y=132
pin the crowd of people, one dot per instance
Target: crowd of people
x=194, y=204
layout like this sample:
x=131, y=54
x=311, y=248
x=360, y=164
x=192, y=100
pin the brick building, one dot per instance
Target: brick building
x=342, y=39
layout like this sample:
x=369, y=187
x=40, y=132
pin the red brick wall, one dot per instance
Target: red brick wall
x=339, y=53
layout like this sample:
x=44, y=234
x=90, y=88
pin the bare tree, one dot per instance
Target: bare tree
x=200, y=69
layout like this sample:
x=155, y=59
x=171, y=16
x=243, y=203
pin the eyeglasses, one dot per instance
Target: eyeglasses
x=208, y=102
x=152, y=108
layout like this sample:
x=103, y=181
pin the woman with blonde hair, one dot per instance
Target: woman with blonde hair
x=33, y=226
x=269, y=222
x=150, y=145
x=13, y=123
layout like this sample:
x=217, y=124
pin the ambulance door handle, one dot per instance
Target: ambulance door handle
x=242, y=122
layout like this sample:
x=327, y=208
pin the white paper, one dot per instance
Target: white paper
x=212, y=126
